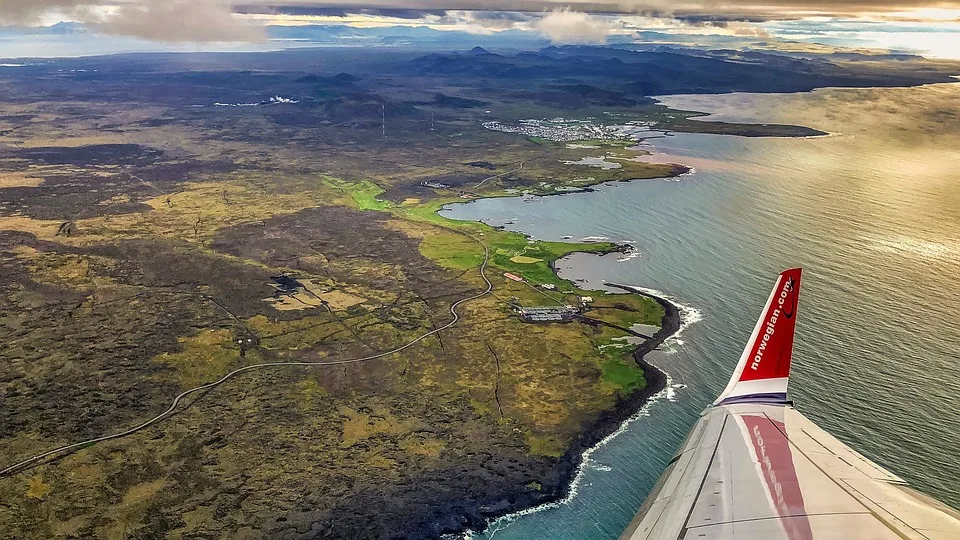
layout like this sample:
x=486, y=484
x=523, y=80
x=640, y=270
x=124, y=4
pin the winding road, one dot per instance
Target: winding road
x=21, y=465
x=498, y=176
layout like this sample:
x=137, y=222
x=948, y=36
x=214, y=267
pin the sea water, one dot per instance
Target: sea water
x=872, y=214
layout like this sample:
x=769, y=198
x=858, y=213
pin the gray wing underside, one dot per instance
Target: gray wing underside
x=767, y=472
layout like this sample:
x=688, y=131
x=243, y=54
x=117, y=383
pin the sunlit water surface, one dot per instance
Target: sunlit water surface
x=871, y=212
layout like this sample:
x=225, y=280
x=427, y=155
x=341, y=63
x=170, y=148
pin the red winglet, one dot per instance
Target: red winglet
x=764, y=368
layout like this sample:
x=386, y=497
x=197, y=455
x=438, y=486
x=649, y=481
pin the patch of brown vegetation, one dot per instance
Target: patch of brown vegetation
x=17, y=179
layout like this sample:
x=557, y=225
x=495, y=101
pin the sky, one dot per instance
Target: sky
x=918, y=26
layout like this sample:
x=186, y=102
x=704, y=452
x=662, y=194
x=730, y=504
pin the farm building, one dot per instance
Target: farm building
x=548, y=314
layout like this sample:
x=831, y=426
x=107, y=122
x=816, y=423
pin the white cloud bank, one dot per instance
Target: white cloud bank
x=566, y=26
x=159, y=20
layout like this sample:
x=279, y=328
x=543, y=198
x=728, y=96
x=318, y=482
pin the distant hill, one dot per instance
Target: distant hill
x=579, y=95
x=636, y=74
x=59, y=29
x=340, y=79
x=452, y=102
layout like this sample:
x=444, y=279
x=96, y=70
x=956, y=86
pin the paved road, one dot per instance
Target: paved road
x=497, y=176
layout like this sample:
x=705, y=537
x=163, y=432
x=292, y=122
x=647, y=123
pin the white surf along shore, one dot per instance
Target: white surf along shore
x=689, y=315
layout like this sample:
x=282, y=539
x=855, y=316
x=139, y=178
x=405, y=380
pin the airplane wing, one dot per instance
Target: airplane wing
x=755, y=468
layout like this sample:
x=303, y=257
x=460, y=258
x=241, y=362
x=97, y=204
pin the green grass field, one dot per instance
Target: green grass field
x=363, y=193
x=624, y=374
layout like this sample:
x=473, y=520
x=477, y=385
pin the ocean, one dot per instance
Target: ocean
x=872, y=214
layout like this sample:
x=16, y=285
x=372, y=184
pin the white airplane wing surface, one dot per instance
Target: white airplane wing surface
x=755, y=468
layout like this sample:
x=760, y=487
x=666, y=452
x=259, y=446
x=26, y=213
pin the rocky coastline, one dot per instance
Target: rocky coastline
x=558, y=485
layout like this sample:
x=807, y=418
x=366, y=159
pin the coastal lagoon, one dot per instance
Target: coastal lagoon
x=872, y=213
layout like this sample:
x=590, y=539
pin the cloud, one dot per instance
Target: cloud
x=727, y=27
x=565, y=26
x=748, y=30
x=484, y=22
x=158, y=20
x=178, y=20
x=707, y=18
x=502, y=19
x=577, y=21
x=337, y=11
x=31, y=12
x=731, y=10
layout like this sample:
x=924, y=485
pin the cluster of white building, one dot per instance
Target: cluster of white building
x=557, y=129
